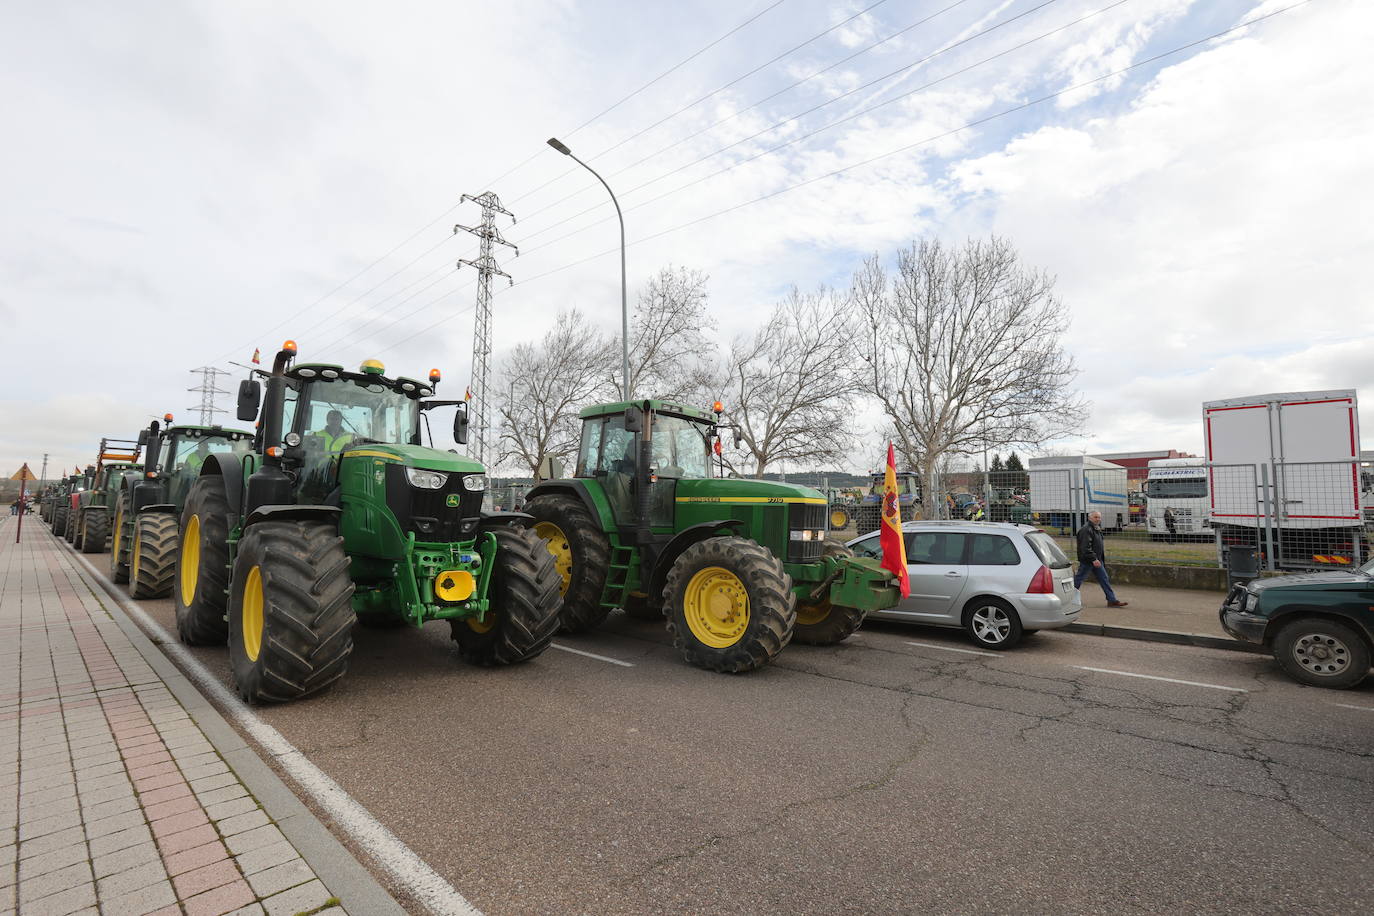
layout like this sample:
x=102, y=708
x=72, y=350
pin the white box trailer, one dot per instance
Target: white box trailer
x=1066, y=488
x=1287, y=465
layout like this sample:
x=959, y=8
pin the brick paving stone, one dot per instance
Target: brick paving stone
x=54, y=882
x=215, y=781
x=166, y=793
x=114, y=792
x=254, y=839
x=208, y=854
x=264, y=857
x=280, y=877
x=180, y=805
x=178, y=823
x=137, y=903
x=205, y=769
x=222, y=794
x=63, y=903
x=224, y=810
x=187, y=839
x=207, y=877
x=34, y=829
x=124, y=859
x=158, y=781
x=252, y=909
x=52, y=841
x=240, y=823
x=132, y=879
x=122, y=839
x=34, y=866
x=114, y=823
x=220, y=900
x=65, y=806
x=298, y=899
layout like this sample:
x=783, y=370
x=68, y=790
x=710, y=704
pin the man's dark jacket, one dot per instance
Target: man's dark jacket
x=1090, y=546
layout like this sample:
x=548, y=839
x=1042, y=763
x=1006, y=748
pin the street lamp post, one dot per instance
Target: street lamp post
x=987, y=491
x=624, y=299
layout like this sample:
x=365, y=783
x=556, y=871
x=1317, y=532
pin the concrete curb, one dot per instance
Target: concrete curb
x=1173, y=637
x=331, y=861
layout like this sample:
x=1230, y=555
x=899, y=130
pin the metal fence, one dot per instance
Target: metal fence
x=1292, y=515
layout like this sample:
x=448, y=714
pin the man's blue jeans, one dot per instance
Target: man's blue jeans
x=1085, y=569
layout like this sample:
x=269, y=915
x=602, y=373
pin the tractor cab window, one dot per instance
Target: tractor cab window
x=681, y=450
x=333, y=414
x=190, y=452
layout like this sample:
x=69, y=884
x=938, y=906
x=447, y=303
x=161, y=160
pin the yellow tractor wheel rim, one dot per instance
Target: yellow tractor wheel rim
x=557, y=543
x=190, y=560
x=716, y=606
x=134, y=566
x=482, y=626
x=252, y=614
x=119, y=529
x=839, y=518
x=810, y=613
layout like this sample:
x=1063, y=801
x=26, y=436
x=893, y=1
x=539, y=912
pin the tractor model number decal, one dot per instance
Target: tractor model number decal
x=752, y=499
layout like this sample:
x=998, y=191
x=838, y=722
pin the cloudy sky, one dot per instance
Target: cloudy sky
x=183, y=182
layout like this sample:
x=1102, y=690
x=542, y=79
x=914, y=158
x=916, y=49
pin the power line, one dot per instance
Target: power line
x=668, y=117
x=906, y=148
x=814, y=109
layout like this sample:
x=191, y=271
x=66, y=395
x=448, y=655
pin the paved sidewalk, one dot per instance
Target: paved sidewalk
x=111, y=795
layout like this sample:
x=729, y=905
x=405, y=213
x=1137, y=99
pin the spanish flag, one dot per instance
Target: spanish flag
x=890, y=531
x=257, y=356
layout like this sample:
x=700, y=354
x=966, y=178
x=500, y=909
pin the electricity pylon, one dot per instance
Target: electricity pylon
x=209, y=375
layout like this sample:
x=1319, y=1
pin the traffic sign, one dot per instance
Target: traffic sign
x=23, y=474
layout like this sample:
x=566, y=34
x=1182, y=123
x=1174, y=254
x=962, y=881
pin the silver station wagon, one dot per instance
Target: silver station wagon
x=996, y=580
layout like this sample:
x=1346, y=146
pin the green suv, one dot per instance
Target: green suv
x=1320, y=626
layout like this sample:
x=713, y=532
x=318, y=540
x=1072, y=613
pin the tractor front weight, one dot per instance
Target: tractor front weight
x=857, y=582
x=435, y=582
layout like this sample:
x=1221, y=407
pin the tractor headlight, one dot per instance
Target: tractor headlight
x=475, y=482
x=426, y=480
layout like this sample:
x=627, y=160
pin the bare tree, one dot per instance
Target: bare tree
x=543, y=387
x=963, y=352
x=667, y=345
x=789, y=386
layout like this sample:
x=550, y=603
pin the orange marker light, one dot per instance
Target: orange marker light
x=434, y=375
x=274, y=452
x=718, y=407
x=289, y=346
x=167, y=417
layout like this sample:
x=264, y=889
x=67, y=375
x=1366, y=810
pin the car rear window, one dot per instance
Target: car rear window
x=1047, y=549
x=993, y=550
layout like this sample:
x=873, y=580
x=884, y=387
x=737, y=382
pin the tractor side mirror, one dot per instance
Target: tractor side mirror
x=634, y=420
x=142, y=438
x=460, y=424
x=250, y=396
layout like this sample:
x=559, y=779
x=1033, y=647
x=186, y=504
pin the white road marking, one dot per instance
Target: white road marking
x=1153, y=677
x=931, y=645
x=600, y=658
x=1348, y=706
x=394, y=857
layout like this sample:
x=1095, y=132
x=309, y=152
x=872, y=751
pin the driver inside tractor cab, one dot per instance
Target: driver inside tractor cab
x=333, y=437
x=196, y=459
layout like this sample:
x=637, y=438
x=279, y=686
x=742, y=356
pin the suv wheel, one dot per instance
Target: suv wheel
x=992, y=623
x=1322, y=653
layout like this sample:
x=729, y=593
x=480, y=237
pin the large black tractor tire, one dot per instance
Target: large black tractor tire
x=582, y=557
x=839, y=518
x=820, y=623
x=290, y=611
x=525, y=604
x=867, y=519
x=153, y=555
x=95, y=530
x=729, y=604
x=73, y=523
x=200, y=589
x=120, y=540
x=59, y=521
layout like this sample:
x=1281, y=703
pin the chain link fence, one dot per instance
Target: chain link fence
x=1291, y=515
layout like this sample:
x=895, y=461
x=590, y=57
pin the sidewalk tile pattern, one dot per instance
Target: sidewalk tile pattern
x=111, y=797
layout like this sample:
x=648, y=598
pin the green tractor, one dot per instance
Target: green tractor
x=62, y=502
x=91, y=511
x=338, y=515
x=148, y=510
x=737, y=568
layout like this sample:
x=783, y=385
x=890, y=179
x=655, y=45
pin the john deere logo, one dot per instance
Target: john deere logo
x=451, y=500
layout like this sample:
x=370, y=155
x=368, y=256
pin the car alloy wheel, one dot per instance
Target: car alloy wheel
x=990, y=624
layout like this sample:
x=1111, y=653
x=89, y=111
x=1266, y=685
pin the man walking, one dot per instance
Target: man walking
x=1092, y=558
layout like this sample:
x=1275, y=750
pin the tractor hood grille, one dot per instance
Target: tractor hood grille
x=427, y=513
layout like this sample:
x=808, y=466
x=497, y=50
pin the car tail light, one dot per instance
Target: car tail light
x=1042, y=583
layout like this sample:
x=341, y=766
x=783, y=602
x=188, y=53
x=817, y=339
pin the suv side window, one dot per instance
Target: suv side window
x=993, y=550
x=939, y=548
x=868, y=547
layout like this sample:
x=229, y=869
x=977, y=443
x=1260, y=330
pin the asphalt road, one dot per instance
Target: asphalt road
x=873, y=777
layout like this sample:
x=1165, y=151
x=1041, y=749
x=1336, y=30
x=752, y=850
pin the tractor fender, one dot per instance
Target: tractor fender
x=230, y=467
x=680, y=542
x=330, y=514
x=167, y=508
x=500, y=519
x=572, y=486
